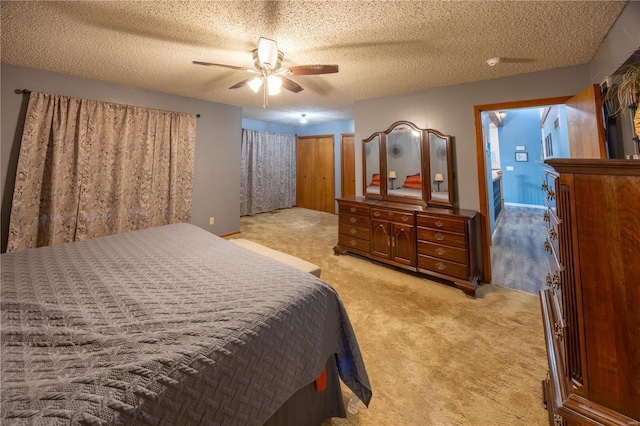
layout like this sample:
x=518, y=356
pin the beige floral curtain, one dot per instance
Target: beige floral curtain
x=267, y=172
x=88, y=169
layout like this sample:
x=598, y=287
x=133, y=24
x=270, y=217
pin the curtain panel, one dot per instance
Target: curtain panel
x=268, y=172
x=88, y=169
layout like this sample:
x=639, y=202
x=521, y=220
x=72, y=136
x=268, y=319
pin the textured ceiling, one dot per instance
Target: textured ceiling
x=382, y=47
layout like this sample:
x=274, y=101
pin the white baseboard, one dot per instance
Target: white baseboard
x=531, y=206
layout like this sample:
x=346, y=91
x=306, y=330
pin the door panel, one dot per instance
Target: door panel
x=585, y=124
x=305, y=179
x=380, y=239
x=325, y=175
x=315, y=186
x=403, y=244
x=348, y=165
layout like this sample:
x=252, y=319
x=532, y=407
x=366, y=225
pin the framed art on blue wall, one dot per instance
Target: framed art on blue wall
x=522, y=156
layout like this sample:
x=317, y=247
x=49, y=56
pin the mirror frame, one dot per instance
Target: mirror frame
x=451, y=188
x=383, y=182
x=425, y=167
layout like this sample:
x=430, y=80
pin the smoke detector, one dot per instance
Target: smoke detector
x=493, y=62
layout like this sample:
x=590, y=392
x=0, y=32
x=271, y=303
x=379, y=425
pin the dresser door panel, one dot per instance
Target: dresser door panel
x=403, y=244
x=380, y=239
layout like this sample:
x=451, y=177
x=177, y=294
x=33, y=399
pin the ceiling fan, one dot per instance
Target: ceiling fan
x=267, y=59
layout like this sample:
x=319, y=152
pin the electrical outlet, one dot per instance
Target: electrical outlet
x=211, y=220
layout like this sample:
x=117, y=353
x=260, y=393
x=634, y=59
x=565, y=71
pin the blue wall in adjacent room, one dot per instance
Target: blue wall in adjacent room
x=559, y=136
x=522, y=184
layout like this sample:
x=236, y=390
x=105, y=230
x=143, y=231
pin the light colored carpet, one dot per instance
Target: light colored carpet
x=434, y=356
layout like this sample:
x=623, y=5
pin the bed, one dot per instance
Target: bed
x=168, y=325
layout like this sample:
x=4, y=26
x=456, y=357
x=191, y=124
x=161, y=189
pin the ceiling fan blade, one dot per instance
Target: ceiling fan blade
x=233, y=67
x=291, y=85
x=313, y=69
x=241, y=83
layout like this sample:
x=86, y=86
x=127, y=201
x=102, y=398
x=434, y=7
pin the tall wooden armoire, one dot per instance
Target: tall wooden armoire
x=591, y=311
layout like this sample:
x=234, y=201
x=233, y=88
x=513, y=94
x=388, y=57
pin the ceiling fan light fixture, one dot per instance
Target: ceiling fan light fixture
x=275, y=84
x=255, y=84
x=267, y=52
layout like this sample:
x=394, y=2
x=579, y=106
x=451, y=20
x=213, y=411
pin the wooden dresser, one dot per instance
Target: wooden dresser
x=591, y=311
x=434, y=241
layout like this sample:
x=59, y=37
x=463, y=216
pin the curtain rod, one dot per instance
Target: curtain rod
x=26, y=92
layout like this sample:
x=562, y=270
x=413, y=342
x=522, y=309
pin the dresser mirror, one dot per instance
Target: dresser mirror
x=407, y=164
x=371, y=167
x=441, y=170
x=404, y=161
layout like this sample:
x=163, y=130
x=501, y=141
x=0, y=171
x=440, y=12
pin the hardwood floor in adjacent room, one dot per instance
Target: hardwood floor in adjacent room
x=518, y=260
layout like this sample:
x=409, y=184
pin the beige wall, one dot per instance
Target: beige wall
x=216, y=189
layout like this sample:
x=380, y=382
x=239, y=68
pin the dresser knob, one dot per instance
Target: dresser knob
x=441, y=266
x=439, y=237
x=353, y=243
x=441, y=251
x=376, y=214
x=439, y=224
x=353, y=209
x=405, y=218
x=353, y=219
x=353, y=231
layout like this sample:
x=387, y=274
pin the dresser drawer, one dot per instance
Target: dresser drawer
x=393, y=216
x=353, y=243
x=441, y=237
x=443, y=252
x=353, y=231
x=353, y=220
x=441, y=223
x=354, y=209
x=444, y=267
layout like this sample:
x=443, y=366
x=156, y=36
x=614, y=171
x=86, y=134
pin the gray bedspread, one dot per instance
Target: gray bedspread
x=165, y=326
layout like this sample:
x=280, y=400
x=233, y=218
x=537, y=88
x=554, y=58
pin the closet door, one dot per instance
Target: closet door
x=315, y=186
x=347, y=165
